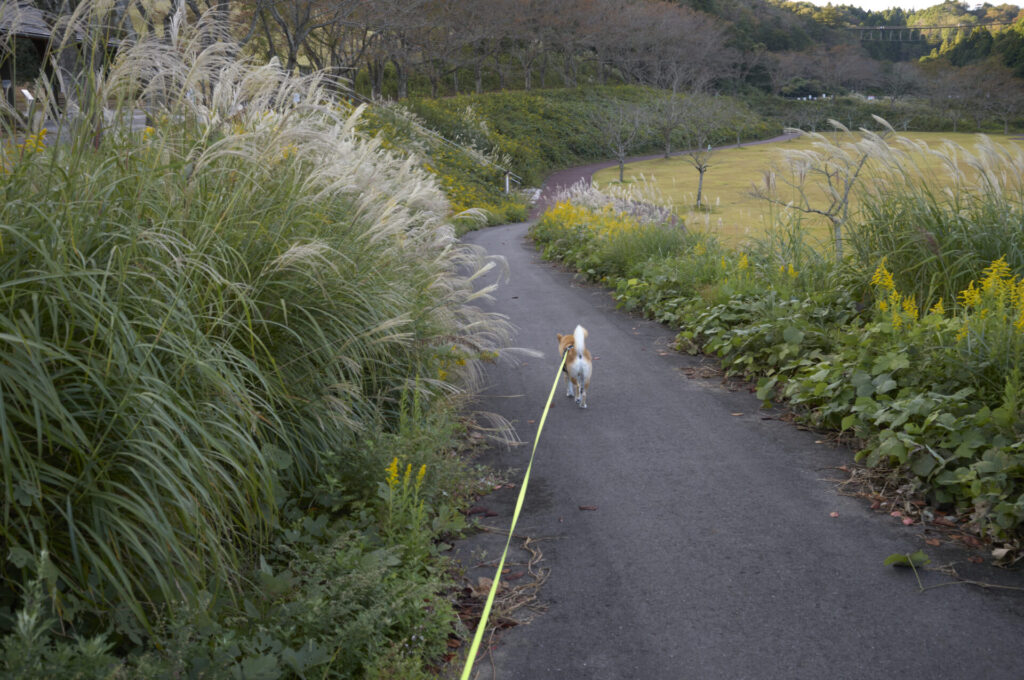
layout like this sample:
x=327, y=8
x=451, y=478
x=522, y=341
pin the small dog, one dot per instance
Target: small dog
x=578, y=364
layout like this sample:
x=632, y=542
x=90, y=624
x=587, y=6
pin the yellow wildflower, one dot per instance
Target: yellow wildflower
x=744, y=262
x=392, y=471
x=910, y=307
x=971, y=297
x=995, y=274
x=420, y=475
x=938, y=308
x=882, y=277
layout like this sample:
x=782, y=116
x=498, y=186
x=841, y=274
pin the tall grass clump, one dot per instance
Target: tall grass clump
x=204, y=319
x=610, y=233
x=939, y=215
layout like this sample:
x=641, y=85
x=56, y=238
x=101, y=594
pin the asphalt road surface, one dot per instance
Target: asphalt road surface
x=708, y=548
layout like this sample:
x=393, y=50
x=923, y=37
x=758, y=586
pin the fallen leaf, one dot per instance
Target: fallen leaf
x=483, y=587
x=515, y=575
x=896, y=513
x=907, y=521
x=976, y=559
x=833, y=514
x=876, y=505
x=934, y=542
x=942, y=521
x=1000, y=553
x=531, y=422
x=477, y=510
x=737, y=414
x=588, y=507
x=453, y=643
x=972, y=541
x=917, y=559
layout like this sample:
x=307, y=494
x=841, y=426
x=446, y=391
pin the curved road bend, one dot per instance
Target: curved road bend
x=712, y=553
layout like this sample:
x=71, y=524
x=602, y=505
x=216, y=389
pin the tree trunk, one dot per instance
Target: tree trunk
x=700, y=184
x=622, y=168
x=403, y=79
x=376, y=67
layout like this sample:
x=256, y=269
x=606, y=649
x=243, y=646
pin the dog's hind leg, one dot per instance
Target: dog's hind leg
x=569, y=391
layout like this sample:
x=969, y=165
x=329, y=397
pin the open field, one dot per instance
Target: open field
x=731, y=210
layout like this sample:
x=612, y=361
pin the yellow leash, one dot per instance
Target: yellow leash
x=475, y=647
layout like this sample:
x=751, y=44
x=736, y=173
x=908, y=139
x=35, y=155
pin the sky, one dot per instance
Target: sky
x=878, y=5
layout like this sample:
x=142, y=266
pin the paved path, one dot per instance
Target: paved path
x=712, y=553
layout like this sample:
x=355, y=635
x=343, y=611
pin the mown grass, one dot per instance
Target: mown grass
x=219, y=335
x=735, y=215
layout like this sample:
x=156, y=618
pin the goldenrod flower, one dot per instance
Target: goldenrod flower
x=938, y=308
x=392, y=471
x=882, y=277
x=971, y=297
x=910, y=307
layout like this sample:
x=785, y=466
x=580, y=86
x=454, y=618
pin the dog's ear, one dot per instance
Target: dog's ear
x=586, y=333
x=559, y=336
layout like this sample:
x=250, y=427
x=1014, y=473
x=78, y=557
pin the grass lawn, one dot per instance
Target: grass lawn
x=731, y=211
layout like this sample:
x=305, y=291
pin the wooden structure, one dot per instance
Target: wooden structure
x=19, y=20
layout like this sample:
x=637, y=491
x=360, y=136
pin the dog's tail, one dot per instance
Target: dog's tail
x=578, y=336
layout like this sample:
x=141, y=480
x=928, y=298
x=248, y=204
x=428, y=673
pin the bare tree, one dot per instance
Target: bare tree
x=1007, y=100
x=783, y=67
x=830, y=166
x=673, y=47
x=900, y=79
x=701, y=121
x=622, y=125
x=844, y=66
x=667, y=114
x=948, y=93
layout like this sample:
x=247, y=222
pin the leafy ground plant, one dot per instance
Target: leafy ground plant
x=928, y=385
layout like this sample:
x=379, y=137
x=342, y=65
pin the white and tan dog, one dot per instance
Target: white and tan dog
x=578, y=364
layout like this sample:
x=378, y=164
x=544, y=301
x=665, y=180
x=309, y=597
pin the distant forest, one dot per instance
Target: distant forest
x=400, y=48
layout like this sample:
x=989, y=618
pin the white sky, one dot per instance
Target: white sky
x=878, y=5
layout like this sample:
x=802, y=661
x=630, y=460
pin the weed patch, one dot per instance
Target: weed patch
x=923, y=371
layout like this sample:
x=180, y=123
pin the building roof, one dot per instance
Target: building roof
x=23, y=20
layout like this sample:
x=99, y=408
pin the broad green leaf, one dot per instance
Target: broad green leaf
x=916, y=559
x=793, y=335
